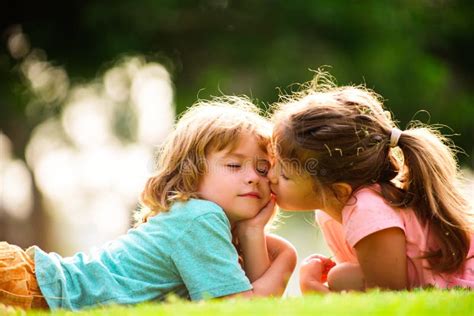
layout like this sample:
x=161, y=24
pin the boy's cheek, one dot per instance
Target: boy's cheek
x=266, y=192
x=265, y=200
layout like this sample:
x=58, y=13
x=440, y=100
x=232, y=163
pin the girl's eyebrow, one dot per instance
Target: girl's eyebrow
x=282, y=165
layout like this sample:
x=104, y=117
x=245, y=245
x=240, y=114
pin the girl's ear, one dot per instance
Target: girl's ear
x=342, y=191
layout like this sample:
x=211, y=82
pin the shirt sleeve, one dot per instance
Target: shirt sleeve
x=334, y=236
x=207, y=261
x=368, y=215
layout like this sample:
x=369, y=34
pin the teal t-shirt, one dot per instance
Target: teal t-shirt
x=187, y=251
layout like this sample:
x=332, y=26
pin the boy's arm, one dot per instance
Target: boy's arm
x=283, y=259
x=268, y=260
x=253, y=244
x=273, y=281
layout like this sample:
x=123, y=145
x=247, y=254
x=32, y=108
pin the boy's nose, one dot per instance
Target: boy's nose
x=252, y=176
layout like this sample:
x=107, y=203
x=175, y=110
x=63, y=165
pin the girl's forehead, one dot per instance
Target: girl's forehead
x=292, y=167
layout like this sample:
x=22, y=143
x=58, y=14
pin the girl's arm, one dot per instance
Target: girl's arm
x=313, y=274
x=382, y=257
x=317, y=269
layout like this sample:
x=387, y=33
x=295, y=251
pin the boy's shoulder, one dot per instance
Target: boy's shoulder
x=195, y=208
x=203, y=217
x=195, y=214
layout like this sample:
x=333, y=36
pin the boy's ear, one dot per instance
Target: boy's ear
x=342, y=191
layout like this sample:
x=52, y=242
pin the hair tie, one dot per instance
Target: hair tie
x=395, y=136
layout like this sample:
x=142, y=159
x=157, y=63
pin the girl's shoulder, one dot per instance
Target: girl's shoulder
x=366, y=213
x=368, y=197
x=368, y=202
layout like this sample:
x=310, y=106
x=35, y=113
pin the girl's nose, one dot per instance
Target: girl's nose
x=272, y=176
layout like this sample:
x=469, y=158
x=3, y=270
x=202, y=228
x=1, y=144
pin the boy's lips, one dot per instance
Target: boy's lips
x=254, y=195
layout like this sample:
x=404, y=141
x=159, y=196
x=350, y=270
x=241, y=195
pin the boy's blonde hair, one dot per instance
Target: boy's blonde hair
x=342, y=134
x=209, y=125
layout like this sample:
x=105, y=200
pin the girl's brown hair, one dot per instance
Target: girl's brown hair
x=342, y=134
x=208, y=125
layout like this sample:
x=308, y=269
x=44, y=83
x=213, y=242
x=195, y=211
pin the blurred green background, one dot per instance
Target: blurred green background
x=88, y=87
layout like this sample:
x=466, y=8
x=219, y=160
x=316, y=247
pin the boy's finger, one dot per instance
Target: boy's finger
x=269, y=207
x=271, y=204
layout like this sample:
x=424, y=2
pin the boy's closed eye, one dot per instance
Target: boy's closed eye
x=262, y=167
x=234, y=166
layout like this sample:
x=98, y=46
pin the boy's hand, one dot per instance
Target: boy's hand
x=260, y=220
x=316, y=267
x=252, y=241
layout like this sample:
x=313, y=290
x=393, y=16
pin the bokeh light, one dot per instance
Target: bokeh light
x=16, y=196
x=90, y=177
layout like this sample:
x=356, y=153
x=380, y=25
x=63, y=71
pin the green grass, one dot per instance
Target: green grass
x=428, y=302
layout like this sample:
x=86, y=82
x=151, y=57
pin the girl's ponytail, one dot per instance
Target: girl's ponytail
x=432, y=184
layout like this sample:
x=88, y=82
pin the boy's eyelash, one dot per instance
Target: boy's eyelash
x=262, y=171
x=284, y=177
x=233, y=165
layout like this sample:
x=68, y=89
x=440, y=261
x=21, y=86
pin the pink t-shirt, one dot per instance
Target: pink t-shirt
x=367, y=213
